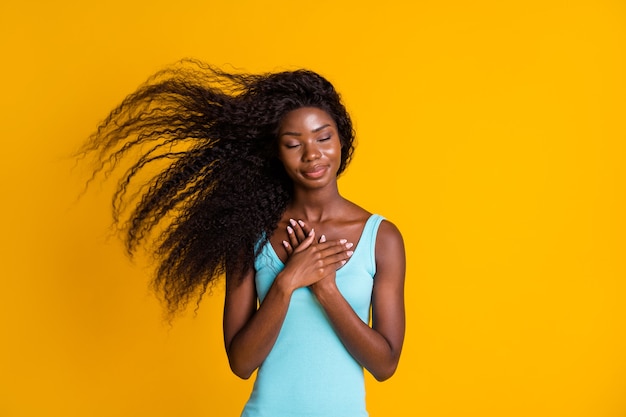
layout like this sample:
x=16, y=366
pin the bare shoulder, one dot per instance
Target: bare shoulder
x=388, y=233
x=389, y=245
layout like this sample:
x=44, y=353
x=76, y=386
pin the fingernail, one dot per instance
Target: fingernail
x=285, y=244
x=301, y=223
x=323, y=239
x=349, y=253
x=292, y=221
x=342, y=241
x=343, y=262
x=349, y=245
x=289, y=230
x=312, y=232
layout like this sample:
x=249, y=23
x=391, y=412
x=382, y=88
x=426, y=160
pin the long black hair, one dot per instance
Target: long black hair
x=204, y=183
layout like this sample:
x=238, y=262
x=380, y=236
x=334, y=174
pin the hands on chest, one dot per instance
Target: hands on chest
x=311, y=259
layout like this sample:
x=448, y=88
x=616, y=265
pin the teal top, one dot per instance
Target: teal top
x=309, y=373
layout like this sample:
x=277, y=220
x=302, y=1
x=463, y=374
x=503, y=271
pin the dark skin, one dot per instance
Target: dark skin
x=316, y=236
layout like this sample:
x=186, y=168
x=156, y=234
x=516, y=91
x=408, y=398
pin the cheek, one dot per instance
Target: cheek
x=335, y=150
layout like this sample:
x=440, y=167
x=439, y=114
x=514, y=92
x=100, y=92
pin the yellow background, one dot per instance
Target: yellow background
x=491, y=132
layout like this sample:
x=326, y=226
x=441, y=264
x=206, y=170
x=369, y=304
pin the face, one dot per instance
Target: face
x=309, y=147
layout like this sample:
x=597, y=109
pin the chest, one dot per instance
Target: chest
x=349, y=230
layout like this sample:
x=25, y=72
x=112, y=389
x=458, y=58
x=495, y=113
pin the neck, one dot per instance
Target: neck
x=315, y=206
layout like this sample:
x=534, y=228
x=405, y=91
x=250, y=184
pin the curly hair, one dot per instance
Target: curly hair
x=206, y=140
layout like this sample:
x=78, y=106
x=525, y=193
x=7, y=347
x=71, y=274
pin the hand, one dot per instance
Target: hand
x=329, y=280
x=296, y=233
x=309, y=261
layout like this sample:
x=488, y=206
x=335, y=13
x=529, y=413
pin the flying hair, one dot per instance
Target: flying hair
x=200, y=179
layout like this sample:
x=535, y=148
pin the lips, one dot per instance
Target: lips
x=314, y=172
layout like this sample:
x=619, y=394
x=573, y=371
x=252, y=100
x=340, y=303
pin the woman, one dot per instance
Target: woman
x=246, y=186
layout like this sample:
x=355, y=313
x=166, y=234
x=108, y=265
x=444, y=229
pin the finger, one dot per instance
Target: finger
x=334, y=247
x=293, y=239
x=288, y=247
x=305, y=228
x=298, y=229
x=306, y=242
x=335, y=254
x=340, y=259
x=333, y=262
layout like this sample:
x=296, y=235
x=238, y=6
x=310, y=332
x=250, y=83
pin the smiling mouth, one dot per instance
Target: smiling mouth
x=315, y=172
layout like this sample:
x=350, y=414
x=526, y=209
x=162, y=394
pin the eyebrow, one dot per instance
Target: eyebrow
x=317, y=129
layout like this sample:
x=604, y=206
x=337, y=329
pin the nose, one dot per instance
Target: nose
x=311, y=152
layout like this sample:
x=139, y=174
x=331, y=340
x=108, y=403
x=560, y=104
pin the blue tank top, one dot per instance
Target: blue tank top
x=308, y=372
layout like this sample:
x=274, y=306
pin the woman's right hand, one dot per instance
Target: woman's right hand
x=310, y=260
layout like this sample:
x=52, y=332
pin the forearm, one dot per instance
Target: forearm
x=251, y=345
x=368, y=346
x=250, y=333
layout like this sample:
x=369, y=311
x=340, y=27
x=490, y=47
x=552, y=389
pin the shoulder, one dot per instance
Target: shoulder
x=389, y=244
x=388, y=234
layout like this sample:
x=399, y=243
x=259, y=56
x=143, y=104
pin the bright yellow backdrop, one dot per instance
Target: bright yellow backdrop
x=491, y=132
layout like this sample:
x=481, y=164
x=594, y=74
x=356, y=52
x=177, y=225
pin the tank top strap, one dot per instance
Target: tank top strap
x=368, y=241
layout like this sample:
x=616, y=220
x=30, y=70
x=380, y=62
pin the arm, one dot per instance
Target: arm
x=250, y=333
x=377, y=348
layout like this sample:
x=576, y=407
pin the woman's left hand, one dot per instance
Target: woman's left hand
x=297, y=231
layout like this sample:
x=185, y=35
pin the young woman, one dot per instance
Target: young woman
x=245, y=186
